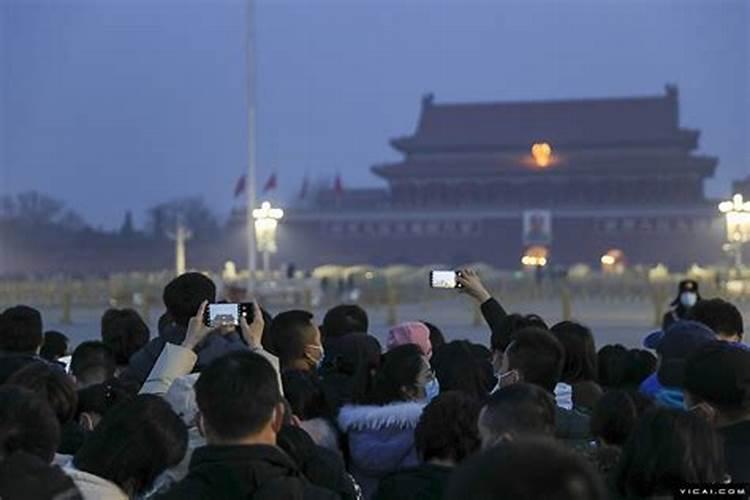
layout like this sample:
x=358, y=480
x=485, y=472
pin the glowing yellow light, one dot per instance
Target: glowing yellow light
x=608, y=260
x=542, y=153
x=535, y=256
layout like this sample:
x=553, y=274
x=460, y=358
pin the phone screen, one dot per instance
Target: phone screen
x=443, y=279
x=223, y=314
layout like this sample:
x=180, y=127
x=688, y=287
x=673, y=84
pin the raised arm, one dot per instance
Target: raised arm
x=494, y=314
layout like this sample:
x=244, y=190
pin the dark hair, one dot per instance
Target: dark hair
x=20, y=330
x=125, y=332
x=344, y=319
x=719, y=315
x=184, y=295
x=304, y=393
x=55, y=345
x=400, y=369
x=447, y=429
x=25, y=476
x=27, y=423
x=437, y=339
x=614, y=417
x=236, y=394
x=519, y=409
x=458, y=368
x=100, y=398
x=580, y=353
x=538, y=356
x=51, y=384
x=92, y=362
x=669, y=448
x=291, y=331
x=526, y=469
x=134, y=443
x=640, y=365
x=612, y=361
x=513, y=323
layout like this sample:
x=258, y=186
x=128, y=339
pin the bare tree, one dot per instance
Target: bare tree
x=191, y=211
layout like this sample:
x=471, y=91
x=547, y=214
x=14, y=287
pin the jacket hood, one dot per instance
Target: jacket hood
x=95, y=487
x=401, y=415
x=381, y=438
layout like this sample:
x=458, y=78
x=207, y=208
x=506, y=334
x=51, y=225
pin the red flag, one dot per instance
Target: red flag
x=338, y=186
x=239, y=188
x=270, y=183
x=304, y=188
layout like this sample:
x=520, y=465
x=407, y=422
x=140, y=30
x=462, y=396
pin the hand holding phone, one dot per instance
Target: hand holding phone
x=227, y=315
x=444, y=279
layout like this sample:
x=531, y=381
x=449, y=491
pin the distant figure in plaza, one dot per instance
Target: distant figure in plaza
x=687, y=297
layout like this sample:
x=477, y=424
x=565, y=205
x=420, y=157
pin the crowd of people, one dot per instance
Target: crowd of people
x=289, y=407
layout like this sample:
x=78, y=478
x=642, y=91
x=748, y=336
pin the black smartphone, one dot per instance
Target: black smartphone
x=227, y=314
x=444, y=279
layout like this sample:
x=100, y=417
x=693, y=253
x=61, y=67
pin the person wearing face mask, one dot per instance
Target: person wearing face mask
x=687, y=297
x=296, y=340
x=380, y=424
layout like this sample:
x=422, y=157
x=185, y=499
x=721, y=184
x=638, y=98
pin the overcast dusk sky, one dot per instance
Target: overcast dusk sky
x=113, y=105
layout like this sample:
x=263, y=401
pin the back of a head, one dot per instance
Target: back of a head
x=580, y=351
x=720, y=316
x=92, y=362
x=27, y=423
x=514, y=323
x=237, y=395
x=538, y=356
x=458, y=368
x=51, y=384
x=134, y=443
x=343, y=320
x=612, y=361
x=640, y=365
x=99, y=399
x=399, y=371
x=290, y=332
x=437, y=339
x=55, y=345
x=184, y=295
x=21, y=330
x=614, y=417
x=304, y=393
x=667, y=449
x=125, y=332
x=719, y=374
x=447, y=428
x=526, y=469
x=24, y=476
x=518, y=409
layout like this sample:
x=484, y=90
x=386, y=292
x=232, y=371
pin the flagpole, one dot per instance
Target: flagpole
x=252, y=255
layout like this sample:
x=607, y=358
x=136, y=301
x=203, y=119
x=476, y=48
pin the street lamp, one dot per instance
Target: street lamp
x=737, y=213
x=266, y=221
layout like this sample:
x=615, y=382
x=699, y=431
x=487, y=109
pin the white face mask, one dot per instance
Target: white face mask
x=688, y=299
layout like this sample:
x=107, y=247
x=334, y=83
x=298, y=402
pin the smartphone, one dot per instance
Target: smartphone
x=227, y=314
x=444, y=279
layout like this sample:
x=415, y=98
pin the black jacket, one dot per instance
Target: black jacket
x=496, y=319
x=424, y=482
x=321, y=466
x=260, y=472
x=737, y=450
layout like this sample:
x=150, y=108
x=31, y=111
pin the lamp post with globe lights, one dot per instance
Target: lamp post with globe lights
x=266, y=222
x=737, y=214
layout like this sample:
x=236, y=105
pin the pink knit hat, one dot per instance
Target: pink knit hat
x=412, y=332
